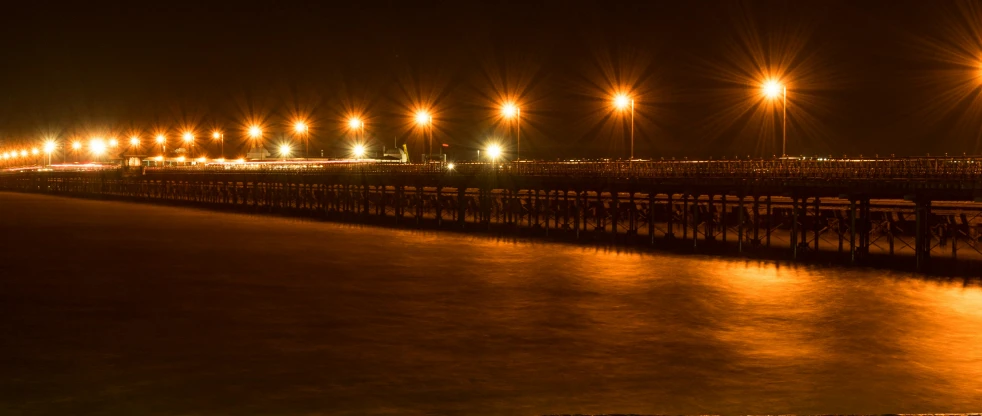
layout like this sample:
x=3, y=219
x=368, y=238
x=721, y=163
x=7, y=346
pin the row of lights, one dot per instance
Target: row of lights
x=423, y=118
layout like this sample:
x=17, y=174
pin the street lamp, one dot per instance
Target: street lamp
x=773, y=89
x=494, y=152
x=256, y=134
x=425, y=120
x=358, y=151
x=98, y=147
x=189, y=138
x=285, y=150
x=621, y=102
x=217, y=135
x=49, y=147
x=135, y=143
x=76, y=146
x=302, y=129
x=511, y=110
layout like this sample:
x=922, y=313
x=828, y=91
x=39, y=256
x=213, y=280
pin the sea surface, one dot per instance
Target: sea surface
x=111, y=308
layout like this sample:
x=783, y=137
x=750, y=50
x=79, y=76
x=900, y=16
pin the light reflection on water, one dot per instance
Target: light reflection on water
x=295, y=317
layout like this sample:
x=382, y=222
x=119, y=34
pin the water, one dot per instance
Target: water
x=116, y=308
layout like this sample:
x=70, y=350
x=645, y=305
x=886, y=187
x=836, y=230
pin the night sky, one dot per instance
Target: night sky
x=872, y=77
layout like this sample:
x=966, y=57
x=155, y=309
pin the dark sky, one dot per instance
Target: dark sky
x=863, y=76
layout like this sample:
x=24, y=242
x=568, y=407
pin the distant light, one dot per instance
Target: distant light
x=23, y=153
x=180, y=158
x=493, y=151
x=113, y=142
x=216, y=135
x=358, y=150
x=220, y=160
x=423, y=118
x=97, y=147
x=285, y=150
x=76, y=145
x=161, y=139
x=509, y=110
x=622, y=101
x=49, y=146
x=255, y=131
x=300, y=127
x=188, y=136
x=355, y=123
x=34, y=151
x=450, y=166
x=240, y=160
x=134, y=141
x=159, y=158
x=202, y=159
x=772, y=89
x=6, y=155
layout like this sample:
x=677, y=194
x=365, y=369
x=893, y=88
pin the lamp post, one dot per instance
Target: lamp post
x=621, y=102
x=76, y=146
x=511, y=110
x=49, y=147
x=189, y=138
x=302, y=129
x=773, y=89
x=256, y=134
x=217, y=135
x=425, y=121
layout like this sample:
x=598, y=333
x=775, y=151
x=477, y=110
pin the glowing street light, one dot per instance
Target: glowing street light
x=621, y=102
x=303, y=130
x=358, y=151
x=162, y=141
x=113, y=142
x=97, y=147
x=425, y=120
x=355, y=123
x=134, y=142
x=773, y=89
x=509, y=111
x=256, y=134
x=48, y=148
x=285, y=150
x=493, y=151
x=217, y=135
x=189, y=138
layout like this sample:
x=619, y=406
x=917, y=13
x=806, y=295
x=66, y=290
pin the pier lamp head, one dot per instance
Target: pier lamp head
x=134, y=141
x=23, y=153
x=622, y=101
x=509, y=110
x=355, y=123
x=358, y=150
x=255, y=132
x=772, y=89
x=188, y=136
x=113, y=142
x=450, y=166
x=423, y=118
x=216, y=135
x=285, y=150
x=493, y=151
x=76, y=145
x=49, y=146
x=97, y=146
x=35, y=151
x=300, y=127
x=161, y=139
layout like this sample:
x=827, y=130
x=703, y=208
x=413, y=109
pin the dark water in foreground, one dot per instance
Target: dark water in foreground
x=115, y=308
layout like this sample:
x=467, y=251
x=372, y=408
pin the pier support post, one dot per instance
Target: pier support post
x=922, y=236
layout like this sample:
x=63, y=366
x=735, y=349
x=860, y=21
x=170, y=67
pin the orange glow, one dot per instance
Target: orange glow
x=161, y=139
x=134, y=141
x=76, y=145
x=355, y=123
x=509, y=110
x=188, y=136
x=621, y=101
x=300, y=127
x=255, y=131
x=216, y=135
x=772, y=89
x=423, y=118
